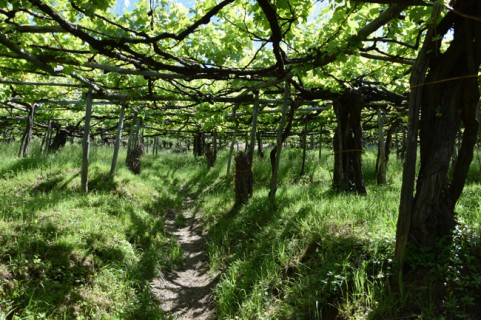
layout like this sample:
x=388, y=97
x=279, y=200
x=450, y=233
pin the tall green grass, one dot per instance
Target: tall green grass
x=313, y=254
x=64, y=255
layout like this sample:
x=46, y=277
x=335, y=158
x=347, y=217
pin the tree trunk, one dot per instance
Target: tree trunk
x=210, y=156
x=347, y=144
x=59, y=140
x=135, y=149
x=243, y=179
x=445, y=104
x=198, y=145
x=448, y=95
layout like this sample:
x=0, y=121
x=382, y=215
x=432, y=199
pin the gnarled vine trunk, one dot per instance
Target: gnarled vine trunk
x=135, y=148
x=59, y=140
x=210, y=156
x=347, y=142
x=450, y=97
x=243, y=178
x=199, y=144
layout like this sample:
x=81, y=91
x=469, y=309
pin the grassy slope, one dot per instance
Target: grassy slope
x=313, y=255
x=318, y=255
x=66, y=255
x=309, y=255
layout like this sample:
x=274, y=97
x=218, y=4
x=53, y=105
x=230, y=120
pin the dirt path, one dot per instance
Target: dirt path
x=186, y=293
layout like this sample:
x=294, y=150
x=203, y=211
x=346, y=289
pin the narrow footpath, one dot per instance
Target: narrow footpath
x=187, y=293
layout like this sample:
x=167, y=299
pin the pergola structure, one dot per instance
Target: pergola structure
x=62, y=50
x=206, y=67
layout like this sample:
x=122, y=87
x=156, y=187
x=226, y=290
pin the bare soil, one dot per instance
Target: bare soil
x=186, y=293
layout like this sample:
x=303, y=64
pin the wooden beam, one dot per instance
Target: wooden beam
x=50, y=84
x=22, y=53
x=40, y=29
x=310, y=109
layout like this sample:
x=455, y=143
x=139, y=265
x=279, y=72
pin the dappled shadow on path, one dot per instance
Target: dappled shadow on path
x=186, y=292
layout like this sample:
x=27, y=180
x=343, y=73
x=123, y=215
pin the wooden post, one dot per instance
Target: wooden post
x=246, y=145
x=31, y=114
x=381, y=174
x=42, y=144
x=22, y=142
x=320, y=143
x=260, y=151
x=252, y=142
x=27, y=136
x=49, y=136
x=214, y=143
x=231, y=151
x=396, y=138
x=118, y=136
x=304, y=147
x=280, y=129
x=86, y=142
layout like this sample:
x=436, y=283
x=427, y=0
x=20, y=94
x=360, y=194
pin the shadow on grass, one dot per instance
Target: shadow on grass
x=26, y=209
x=102, y=182
x=46, y=277
x=53, y=274
x=313, y=272
x=44, y=274
x=23, y=164
x=154, y=257
x=437, y=283
x=48, y=185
